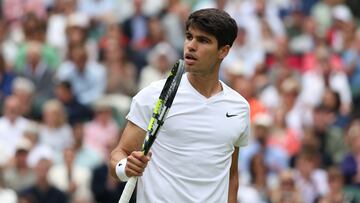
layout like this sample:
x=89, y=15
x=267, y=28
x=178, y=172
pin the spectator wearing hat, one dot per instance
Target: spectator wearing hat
x=338, y=34
x=20, y=175
x=160, y=60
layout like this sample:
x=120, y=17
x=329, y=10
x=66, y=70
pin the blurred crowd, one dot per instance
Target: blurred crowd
x=68, y=70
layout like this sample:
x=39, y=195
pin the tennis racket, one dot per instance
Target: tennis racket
x=161, y=109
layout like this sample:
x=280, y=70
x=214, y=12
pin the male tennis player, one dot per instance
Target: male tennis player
x=194, y=158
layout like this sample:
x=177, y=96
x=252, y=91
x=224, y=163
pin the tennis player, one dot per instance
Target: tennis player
x=194, y=158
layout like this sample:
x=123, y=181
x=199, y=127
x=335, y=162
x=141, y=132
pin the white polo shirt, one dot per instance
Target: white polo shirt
x=192, y=153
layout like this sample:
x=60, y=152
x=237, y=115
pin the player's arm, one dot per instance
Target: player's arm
x=234, y=177
x=129, y=147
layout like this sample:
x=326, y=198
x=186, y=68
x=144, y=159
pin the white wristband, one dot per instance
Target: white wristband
x=120, y=170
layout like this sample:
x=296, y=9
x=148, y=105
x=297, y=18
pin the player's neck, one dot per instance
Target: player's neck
x=207, y=86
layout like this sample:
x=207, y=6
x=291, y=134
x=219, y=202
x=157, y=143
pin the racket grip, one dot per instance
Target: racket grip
x=128, y=190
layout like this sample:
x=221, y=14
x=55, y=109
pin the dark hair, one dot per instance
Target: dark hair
x=66, y=84
x=215, y=22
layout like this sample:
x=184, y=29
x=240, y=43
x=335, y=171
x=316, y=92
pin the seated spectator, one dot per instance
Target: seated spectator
x=88, y=78
x=37, y=150
x=42, y=191
x=350, y=163
x=55, y=132
x=336, y=193
x=104, y=187
x=101, y=129
x=287, y=190
x=38, y=71
x=275, y=158
x=85, y=156
x=34, y=31
x=12, y=126
x=283, y=136
x=71, y=179
x=332, y=145
x=314, y=82
x=6, y=79
x=6, y=194
x=309, y=178
x=24, y=90
x=75, y=111
x=160, y=60
x=121, y=72
x=20, y=175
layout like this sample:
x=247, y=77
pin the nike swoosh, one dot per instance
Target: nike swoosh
x=230, y=115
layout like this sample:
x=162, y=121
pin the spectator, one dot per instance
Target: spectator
x=287, y=190
x=20, y=175
x=24, y=90
x=55, y=132
x=104, y=187
x=160, y=60
x=88, y=78
x=336, y=193
x=6, y=194
x=85, y=156
x=6, y=79
x=38, y=71
x=309, y=178
x=350, y=163
x=314, y=82
x=43, y=191
x=34, y=31
x=12, y=126
x=101, y=129
x=72, y=179
x=75, y=111
x=352, y=68
x=275, y=158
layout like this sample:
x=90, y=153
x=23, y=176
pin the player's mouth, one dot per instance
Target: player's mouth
x=190, y=59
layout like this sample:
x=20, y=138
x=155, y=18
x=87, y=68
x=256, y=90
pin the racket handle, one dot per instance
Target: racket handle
x=128, y=190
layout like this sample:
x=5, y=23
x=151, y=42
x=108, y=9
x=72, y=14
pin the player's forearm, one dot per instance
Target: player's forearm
x=234, y=177
x=233, y=188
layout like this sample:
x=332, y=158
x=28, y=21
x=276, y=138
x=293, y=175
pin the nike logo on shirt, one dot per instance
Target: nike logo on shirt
x=230, y=115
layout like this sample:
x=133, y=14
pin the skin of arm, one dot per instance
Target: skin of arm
x=234, y=177
x=129, y=147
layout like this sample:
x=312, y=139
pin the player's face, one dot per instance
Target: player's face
x=201, y=53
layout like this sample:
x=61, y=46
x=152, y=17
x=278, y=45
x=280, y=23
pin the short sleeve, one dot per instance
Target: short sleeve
x=142, y=106
x=245, y=134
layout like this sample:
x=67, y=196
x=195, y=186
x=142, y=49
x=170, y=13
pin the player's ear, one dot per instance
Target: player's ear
x=223, y=51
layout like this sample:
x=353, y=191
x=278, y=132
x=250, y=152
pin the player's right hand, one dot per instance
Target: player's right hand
x=136, y=163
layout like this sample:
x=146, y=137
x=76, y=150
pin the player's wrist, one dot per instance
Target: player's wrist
x=120, y=170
